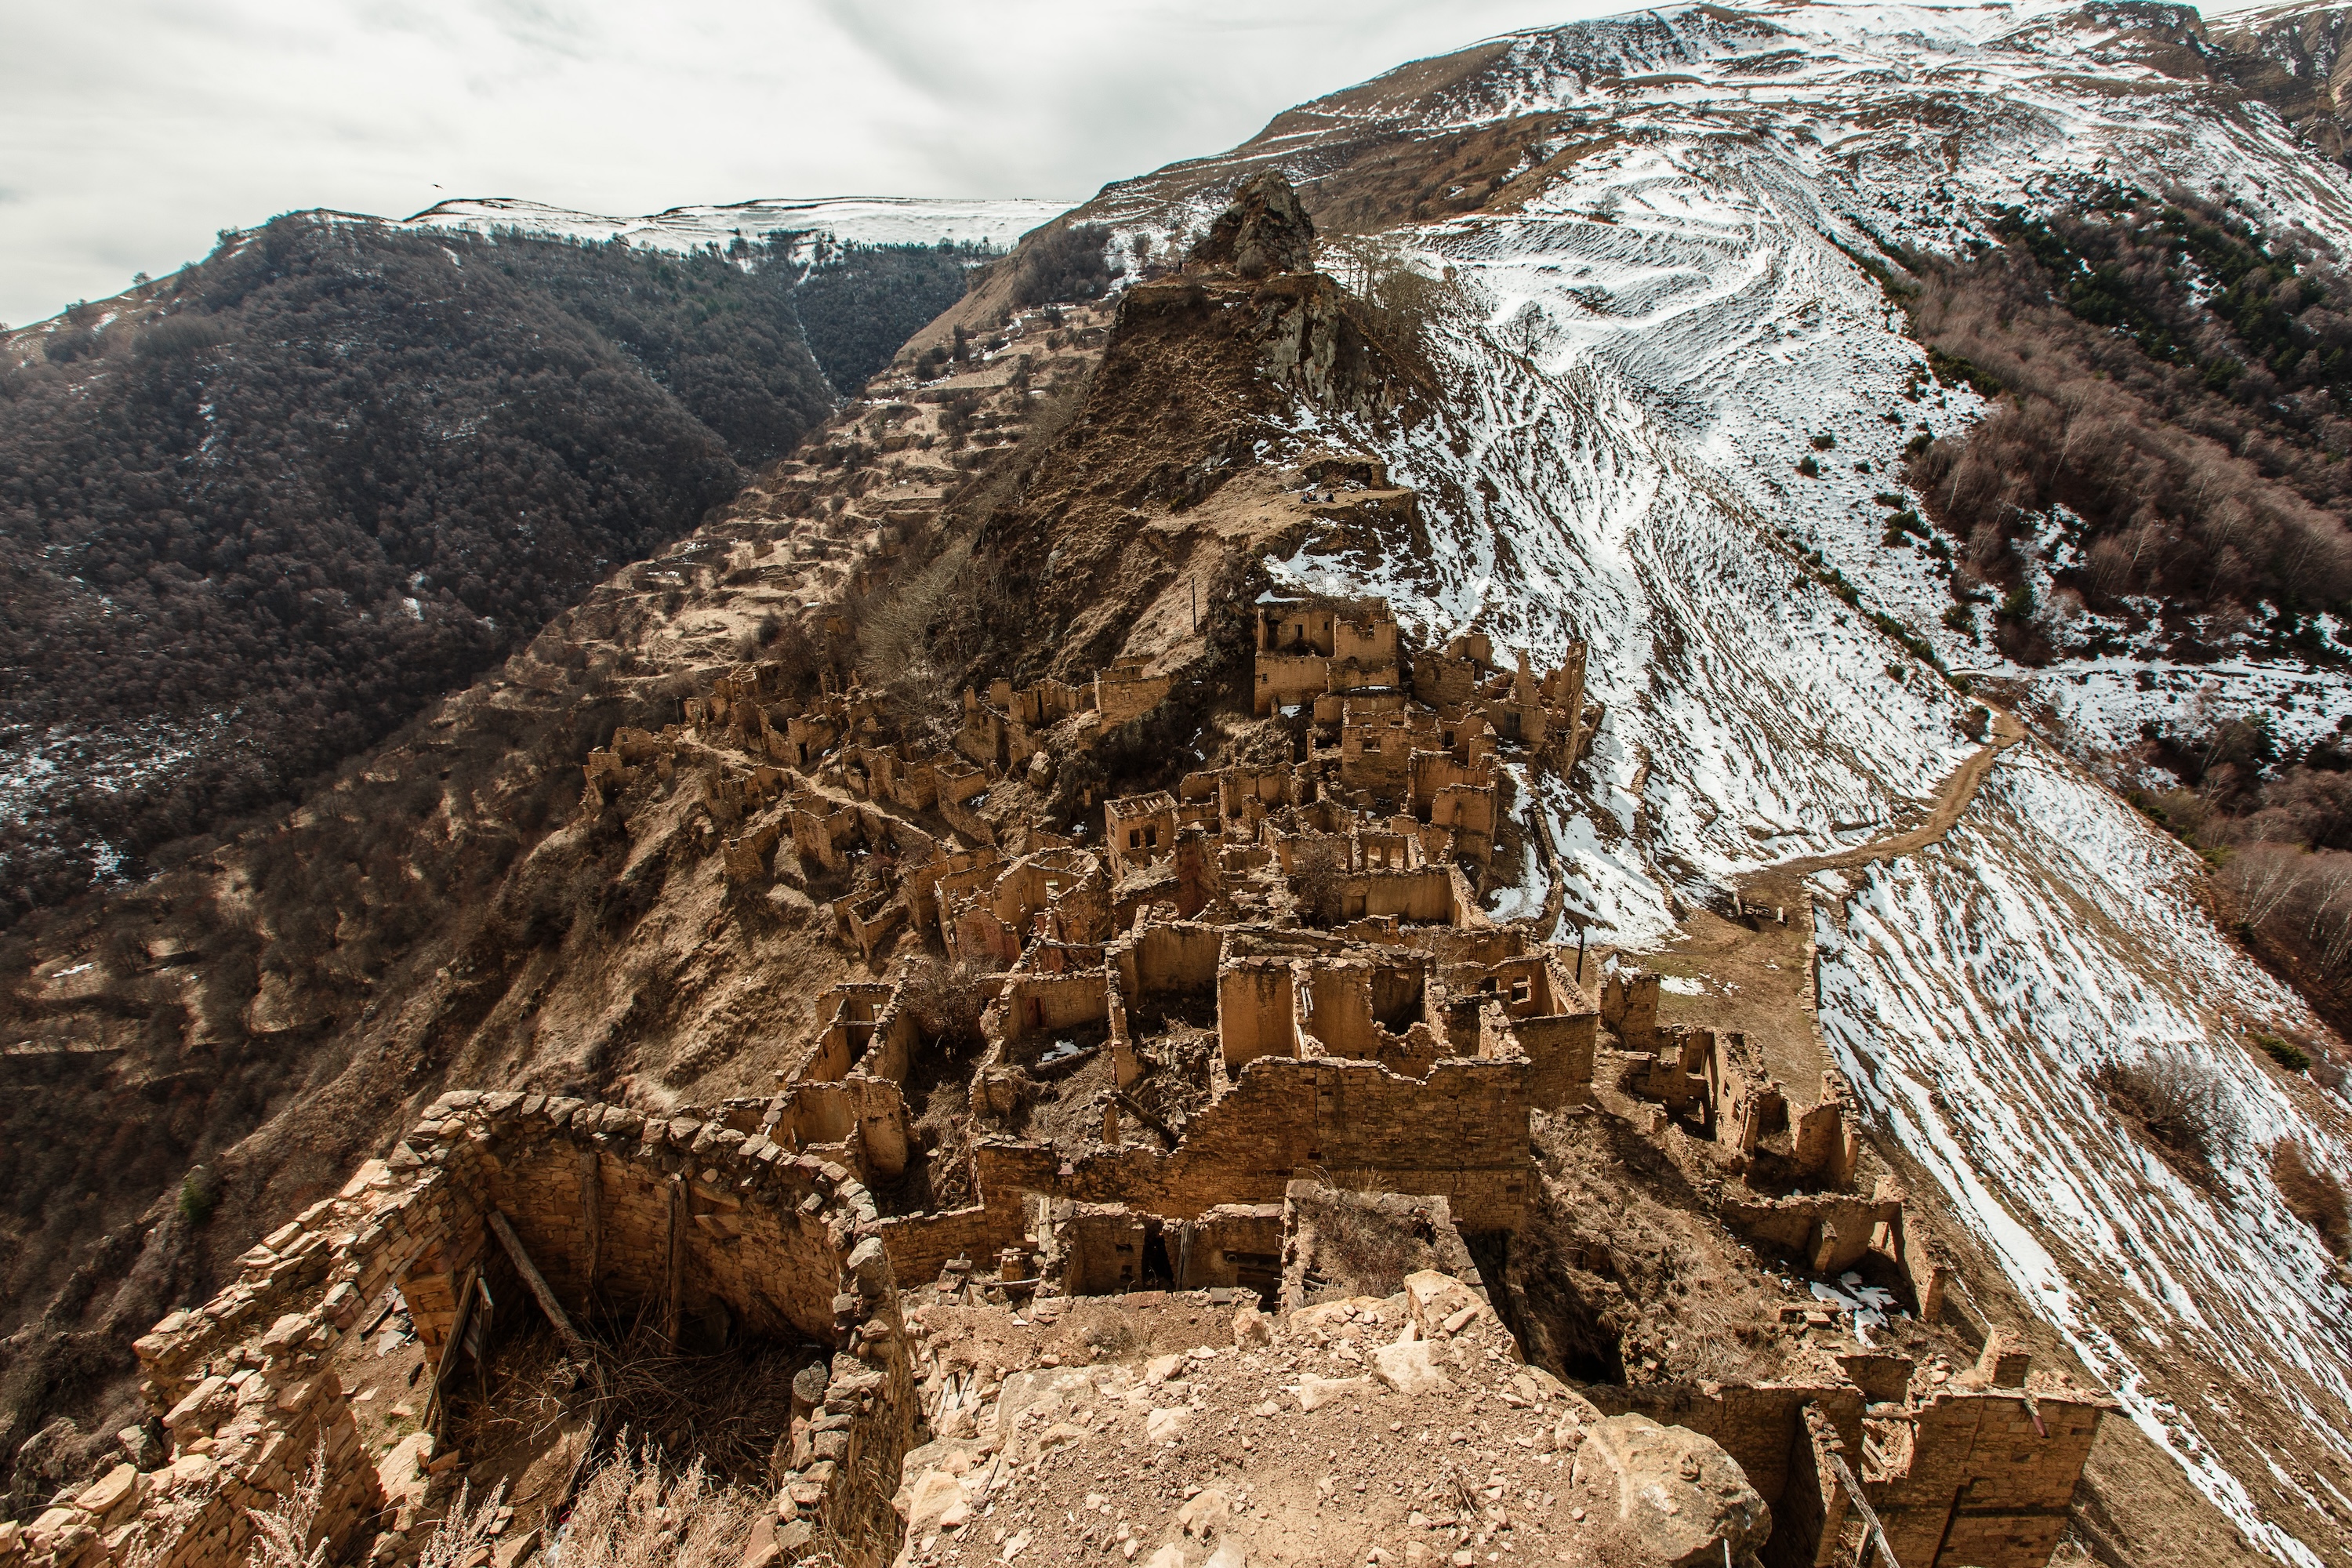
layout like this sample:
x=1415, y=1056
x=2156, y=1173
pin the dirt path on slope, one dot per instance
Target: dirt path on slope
x=1952, y=801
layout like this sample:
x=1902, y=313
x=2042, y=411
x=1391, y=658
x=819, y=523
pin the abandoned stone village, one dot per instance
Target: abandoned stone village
x=1210, y=1181
x=1202, y=1176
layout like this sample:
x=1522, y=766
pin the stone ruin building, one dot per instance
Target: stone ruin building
x=1203, y=1008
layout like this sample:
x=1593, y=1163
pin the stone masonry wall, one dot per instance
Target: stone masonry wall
x=677, y=1212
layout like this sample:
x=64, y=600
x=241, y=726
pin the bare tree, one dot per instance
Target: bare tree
x=1318, y=880
x=2265, y=877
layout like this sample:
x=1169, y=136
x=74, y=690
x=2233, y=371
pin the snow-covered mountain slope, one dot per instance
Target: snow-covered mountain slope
x=844, y=220
x=1670, y=312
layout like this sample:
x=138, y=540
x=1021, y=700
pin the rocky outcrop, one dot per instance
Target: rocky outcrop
x=1263, y=231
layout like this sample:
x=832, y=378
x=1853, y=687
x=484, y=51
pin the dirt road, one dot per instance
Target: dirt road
x=1951, y=802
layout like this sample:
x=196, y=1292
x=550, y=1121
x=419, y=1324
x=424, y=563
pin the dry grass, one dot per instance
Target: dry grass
x=2312, y=1195
x=1361, y=1248
x=161, y=1524
x=630, y=1513
x=282, y=1531
x=467, y=1529
x=2180, y=1104
x=729, y=1408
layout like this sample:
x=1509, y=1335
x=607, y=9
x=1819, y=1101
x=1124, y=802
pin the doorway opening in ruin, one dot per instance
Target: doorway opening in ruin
x=1557, y=1310
x=1159, y=1273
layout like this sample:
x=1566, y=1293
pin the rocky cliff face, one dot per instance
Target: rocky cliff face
x=2292, y=58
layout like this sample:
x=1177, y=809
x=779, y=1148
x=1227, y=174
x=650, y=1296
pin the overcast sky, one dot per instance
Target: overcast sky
x=132, y=130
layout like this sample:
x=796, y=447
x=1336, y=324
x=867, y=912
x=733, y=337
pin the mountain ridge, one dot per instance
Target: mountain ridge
x=430, y=501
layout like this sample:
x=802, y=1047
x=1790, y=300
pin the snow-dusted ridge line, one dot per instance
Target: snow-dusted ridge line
x=847, y=220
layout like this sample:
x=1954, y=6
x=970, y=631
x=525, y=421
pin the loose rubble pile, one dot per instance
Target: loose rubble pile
x=1396, y=1430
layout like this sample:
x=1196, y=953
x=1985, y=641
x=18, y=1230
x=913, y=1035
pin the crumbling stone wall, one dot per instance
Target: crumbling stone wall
x=682, y=1215
x=1978, y=1476
x=1461, y=1134
x=1990, y=1477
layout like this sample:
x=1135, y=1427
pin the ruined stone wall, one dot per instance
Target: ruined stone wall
x=1034, y=1003
x=1169, y=956
x=1442, y=681
x=1138, y=830
x=1629, y=1005
x=865, y=1117
x=1984, y=1480
x=1334, y=1009
x=849, y=1012
x=1101, y=1248
x=1761, y=1425
x=1462, y=1134
x=1232, y=1245
x=679, y=1213
x=1560, y=1049
x=1285, y=680
x=1991, y=1477
x=1830, y=1232
x=1426, y=895
x=1254, y=1010
x=1809, y=1518
x=921, y=1244
x=1123, y=692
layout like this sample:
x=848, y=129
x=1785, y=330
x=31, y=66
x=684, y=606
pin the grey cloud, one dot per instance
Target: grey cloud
x=155, y=125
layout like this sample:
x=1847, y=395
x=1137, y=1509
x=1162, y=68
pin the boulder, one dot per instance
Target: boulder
x=1665, y=1497
x=1434, y=1299
x=1412, y=1368
x=921, y=1501
x=1055, y=1388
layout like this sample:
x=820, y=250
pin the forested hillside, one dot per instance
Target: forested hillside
x=2161, y=471
x=253, y=516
